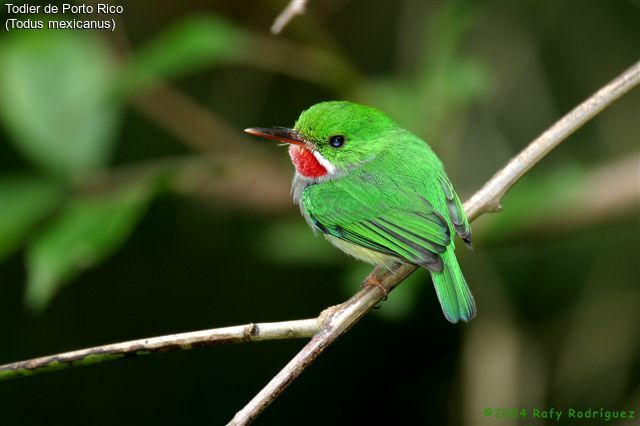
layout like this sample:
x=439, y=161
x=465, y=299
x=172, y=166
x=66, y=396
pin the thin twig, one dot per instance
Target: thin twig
x=171, y=109
x=236, y=162
x=603, y=193
x=184, y=341
x=489, y=196
x=294, y=8
x=486, y=199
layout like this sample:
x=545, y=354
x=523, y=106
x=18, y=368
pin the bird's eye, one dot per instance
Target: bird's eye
x=336, y=141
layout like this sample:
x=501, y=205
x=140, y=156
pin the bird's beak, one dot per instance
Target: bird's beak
x=281, y=134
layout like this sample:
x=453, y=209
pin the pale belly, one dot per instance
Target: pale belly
x=364, y=254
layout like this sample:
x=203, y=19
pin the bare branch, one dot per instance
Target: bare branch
x=489, y=196
x=609, y=191
x=294, y=8
x=606, y=192
x=183, y=341
x=486, y=199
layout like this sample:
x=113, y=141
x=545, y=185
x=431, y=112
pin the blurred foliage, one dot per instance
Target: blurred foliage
x=298, y=247
x=442, y=83
x=186, y=47
x=150, y=226
x=55, y=99
x=560, y=190
x=24, y=202
x=85, y=232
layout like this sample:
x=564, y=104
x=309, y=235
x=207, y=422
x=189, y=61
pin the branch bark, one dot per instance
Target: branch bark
x=489, y=196
x=335, y=321
x=183, y=341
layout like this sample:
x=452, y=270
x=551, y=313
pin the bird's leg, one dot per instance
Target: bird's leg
x=372, y=280
x=376, y=283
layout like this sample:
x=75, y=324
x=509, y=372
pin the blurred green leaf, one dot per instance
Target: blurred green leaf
x=444, y=82
x=293, y=242
x=536, y=201
x=87, y=231
x=24, y=201
x=188, y=46
x=54, y=98
x=447, y=78
x=466, y=80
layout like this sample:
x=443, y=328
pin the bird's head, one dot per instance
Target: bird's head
x=332, y=137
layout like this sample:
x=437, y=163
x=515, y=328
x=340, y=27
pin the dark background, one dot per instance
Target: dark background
x=134, y=206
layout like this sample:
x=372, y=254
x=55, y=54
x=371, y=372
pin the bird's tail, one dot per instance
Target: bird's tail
x=453, y=292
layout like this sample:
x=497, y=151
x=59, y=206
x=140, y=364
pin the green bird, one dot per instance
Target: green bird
x=379, y=193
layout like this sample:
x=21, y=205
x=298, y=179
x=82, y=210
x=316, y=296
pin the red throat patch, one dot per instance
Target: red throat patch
x=306, y=163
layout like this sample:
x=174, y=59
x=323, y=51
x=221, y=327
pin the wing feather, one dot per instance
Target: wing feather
x=405, y=225
x=456, y=212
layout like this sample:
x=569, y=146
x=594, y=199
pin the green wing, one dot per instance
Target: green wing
x=400, y=223
x=456, y=212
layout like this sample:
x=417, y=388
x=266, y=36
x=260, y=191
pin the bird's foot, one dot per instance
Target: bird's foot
x=374, y=282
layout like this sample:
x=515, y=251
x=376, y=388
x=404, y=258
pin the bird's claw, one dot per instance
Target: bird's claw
x=376, y=283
